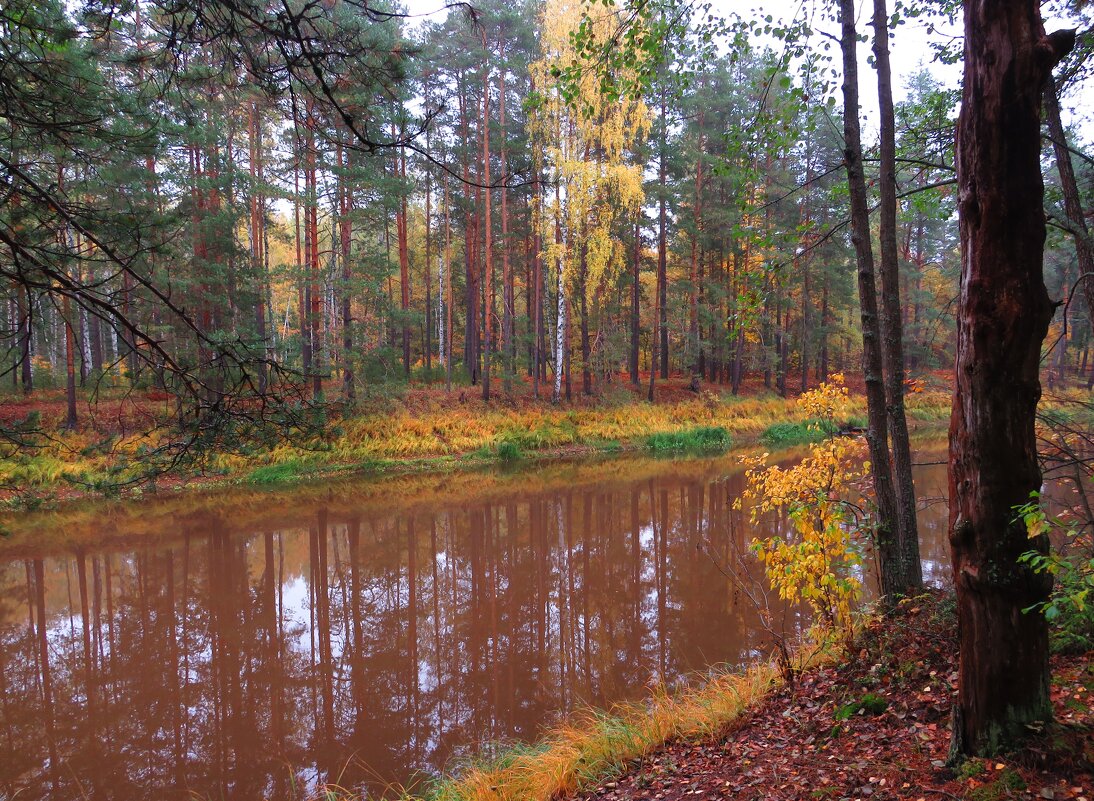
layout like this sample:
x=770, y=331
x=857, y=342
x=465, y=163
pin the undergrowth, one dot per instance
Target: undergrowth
x=695, y=440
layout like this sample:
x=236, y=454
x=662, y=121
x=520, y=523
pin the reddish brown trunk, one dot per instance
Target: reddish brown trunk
x=404, y=264
x=257, y=231
x=635, y=296
x=345, y=236
x=909, y=570
x=488, y=245
x=662, y=250
x=312, y=222
x=70, y=366
x=507, y=343
x=877, y=428
x=1003, y=316
x=693, y=289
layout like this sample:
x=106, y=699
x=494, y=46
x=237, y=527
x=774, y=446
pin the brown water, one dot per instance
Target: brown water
x=259, y=645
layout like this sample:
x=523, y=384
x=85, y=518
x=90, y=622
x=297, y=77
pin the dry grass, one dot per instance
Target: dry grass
x=591, y=746
x=433, y=428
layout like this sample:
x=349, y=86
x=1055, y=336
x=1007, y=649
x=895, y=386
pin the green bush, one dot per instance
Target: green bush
x=1070, y=608
x=703, y=439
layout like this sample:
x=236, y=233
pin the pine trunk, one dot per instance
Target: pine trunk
x=910, y=571
x=888, y=545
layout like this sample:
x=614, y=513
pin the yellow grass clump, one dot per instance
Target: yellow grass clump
x=591, y=746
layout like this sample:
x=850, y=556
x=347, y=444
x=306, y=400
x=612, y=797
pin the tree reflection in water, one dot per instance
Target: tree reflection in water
x=365, y=648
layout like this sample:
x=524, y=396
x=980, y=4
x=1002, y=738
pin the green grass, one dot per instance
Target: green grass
x=508, y=451
x=780, y=435
x=276, y=473
x=704, y=439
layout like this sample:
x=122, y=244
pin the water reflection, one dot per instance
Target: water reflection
x=367, y=647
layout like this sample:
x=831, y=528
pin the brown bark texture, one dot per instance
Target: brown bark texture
x=1003, y=316
x=877, y=424
x=909, y=572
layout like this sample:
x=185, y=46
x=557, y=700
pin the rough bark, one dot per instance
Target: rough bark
x=910, y=570
x=877, y=426
x=488, y=246
x=635, y=293
x=345, y=238
x=662, y=247
x=508, y=345
x=1002, y=319
x=404, y=263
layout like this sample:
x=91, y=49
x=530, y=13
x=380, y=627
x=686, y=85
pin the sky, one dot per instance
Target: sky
x=910, y=51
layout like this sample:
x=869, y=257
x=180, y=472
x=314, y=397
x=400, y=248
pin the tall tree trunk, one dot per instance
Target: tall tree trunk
x=560, y=335
x=447, y=291
x=888, y=544
x=636, y=289
x=1073, y=205
x=26, y=335
x=537, y=274
x=314, y=289
x=488, y=229
x=826, y=324
x=892, y=329
x=1002, y=320
x=507, y=343
x=70, y=367
x=301, y=246
x=662, y=246
x=404, y=262
x=583, y=299
x=428, y=271
x=693, y=275
x=255, y=235
x=345, y=238
x=471, y=278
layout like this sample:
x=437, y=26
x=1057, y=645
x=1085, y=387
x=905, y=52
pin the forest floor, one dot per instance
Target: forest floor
x=875, y=726
x=412, y=429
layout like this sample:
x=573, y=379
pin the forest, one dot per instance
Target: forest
x=252, y=243
x=322, y=210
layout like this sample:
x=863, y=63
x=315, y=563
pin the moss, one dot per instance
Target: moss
x=1008, y=782
x=870, y=704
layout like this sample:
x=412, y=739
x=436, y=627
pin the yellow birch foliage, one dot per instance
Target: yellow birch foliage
x=815, y=559
x=585, y=145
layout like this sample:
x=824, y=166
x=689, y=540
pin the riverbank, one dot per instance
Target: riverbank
x=872, y=723
x=427, y=431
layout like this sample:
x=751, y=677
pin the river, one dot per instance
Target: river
x=368, y=633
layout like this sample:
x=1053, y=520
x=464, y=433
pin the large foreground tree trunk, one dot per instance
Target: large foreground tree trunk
x=1002, y=321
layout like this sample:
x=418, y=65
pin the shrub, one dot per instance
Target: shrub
x=815, y=560
x=1070, y=607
